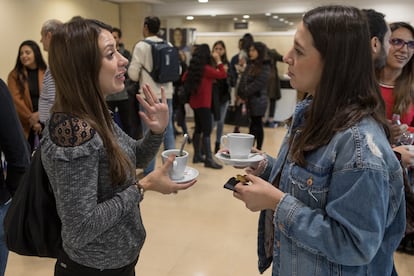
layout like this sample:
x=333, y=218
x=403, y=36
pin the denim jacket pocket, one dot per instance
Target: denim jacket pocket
x=310, y=184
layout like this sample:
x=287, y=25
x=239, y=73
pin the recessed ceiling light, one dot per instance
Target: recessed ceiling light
x=190, y=17
x=246, y=16
x=235, y=19
x=268, y=14
x=275, y=16
x=202, y=1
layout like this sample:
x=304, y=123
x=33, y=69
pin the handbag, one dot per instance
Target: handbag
x=32, y=226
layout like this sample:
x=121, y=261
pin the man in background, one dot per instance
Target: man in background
x=47, y=95
x=141, y=65
x=119, y=103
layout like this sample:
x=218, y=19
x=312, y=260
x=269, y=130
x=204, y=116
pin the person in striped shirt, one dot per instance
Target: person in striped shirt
x=47, y=96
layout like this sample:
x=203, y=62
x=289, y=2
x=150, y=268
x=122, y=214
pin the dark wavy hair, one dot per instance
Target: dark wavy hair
x=201, y=57
x=348, y=90
x=262, y=58
x=21, y=69
x=378, y=27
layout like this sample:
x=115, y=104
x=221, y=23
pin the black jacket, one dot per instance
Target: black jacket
x=13, y=145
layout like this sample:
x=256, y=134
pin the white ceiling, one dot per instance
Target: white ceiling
x=394, y=10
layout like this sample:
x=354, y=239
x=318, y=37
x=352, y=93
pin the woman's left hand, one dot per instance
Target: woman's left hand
x=159, y=181
x=156, y=113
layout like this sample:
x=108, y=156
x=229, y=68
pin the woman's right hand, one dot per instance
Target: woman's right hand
x=407, y=155
x=37, y=128
x=216, y=57
x=258, y=194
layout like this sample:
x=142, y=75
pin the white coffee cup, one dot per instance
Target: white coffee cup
x=177, y=169
x=238, y=144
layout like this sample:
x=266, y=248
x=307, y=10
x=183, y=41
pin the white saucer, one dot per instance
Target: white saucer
x=253, y=159
x=189, y=174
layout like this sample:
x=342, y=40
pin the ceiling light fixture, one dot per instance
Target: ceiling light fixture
x=189, y=17
x=246, y=16
x=202, y=1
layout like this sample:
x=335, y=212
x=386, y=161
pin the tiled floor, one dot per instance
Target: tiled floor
x=203, y=231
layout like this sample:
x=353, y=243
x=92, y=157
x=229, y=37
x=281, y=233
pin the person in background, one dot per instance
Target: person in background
x=47, y=95
x=396, y=80
x=330, y=158
x=221, y=94
x=248, y=40
x=14, y=147
x=237, y=66
x=179, y=38
x=379, y=37
x=198, y=80
x=142, y=58
x=25, y=85
x=91, y=163
x=273, y=89
x=119, y=103
x=232, y=72
x=178, y=104
x=253, y=87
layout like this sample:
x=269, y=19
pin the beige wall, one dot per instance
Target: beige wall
x=22, y=19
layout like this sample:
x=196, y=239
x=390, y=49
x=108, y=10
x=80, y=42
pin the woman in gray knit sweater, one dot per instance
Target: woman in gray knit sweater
x=91, y=162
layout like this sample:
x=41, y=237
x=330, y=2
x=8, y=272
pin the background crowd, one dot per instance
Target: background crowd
x=247, y=85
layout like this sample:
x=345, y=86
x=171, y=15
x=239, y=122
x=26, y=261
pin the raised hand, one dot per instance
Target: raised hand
x=156, y=113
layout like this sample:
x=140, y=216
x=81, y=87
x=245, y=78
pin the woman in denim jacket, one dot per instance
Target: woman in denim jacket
x=332, y=202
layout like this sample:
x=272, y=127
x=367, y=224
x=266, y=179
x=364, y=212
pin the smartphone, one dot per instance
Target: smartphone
x=231, y=183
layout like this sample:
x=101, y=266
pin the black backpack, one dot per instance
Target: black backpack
x=165, y=62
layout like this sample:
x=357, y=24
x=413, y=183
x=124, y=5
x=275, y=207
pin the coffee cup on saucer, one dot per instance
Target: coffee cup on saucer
x=238, y=144
x=177, y=169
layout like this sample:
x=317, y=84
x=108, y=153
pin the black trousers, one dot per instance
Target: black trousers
x=66, y=267
x=203, y=121
x=256, y=128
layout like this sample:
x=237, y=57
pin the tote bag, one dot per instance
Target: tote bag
x=32, y=226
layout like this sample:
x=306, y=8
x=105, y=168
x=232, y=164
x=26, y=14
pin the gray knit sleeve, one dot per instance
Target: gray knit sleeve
x=78, y=168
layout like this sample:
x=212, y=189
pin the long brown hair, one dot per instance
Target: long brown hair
x=348, y=90
x=403, y=91
x=75, y=61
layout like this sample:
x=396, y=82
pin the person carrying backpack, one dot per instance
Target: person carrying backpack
x=141, y=70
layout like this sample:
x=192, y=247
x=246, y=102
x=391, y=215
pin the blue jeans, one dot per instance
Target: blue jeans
x=220, y=123
x=4, y=252
x=169, y=139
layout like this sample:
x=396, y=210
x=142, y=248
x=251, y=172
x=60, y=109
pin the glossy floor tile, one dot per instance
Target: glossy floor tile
x=203, y=231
